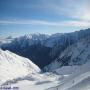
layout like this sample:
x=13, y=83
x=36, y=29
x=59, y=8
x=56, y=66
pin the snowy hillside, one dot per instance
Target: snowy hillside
x=13, y=66
x=22, y=73
x=76, y=54
x=68, y=78
x=78, y=77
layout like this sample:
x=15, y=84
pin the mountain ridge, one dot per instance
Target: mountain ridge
x=43, y=49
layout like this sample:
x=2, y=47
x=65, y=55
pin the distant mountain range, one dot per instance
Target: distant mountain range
x=43, y=49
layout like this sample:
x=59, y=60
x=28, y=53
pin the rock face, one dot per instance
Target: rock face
x=14, y=66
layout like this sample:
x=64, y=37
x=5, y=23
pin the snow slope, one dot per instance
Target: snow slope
x=17, y=71
x=13, y=66
x=76, y=80
x=35, y=82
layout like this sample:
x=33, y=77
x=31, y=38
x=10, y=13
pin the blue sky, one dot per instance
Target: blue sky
x=19, y=17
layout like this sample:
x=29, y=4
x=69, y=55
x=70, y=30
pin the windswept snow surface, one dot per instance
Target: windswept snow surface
x=35, y=82
x=42, y=82
x=13, y=66
x=78, y=78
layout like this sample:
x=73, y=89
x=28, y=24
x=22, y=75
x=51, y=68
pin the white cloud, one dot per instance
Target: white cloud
x=74, y=9
x=47, y=23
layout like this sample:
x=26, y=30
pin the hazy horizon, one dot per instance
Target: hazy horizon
x=2, y=37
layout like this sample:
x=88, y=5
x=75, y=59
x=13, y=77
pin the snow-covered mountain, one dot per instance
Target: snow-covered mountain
x=62, y=41
x=30, y=46
x=31, y=39
x=13, y=66
x=74, y=65
x=69, y=54
x=76, y=54
x=42, y=49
